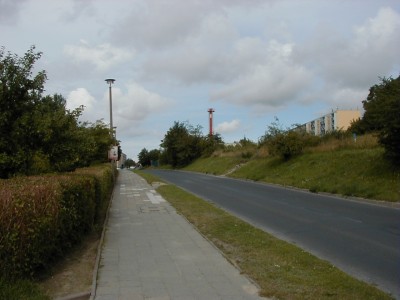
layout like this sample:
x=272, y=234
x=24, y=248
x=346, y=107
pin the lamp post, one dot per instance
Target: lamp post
x=110, y=81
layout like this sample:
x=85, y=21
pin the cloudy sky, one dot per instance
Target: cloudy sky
x=250, y=60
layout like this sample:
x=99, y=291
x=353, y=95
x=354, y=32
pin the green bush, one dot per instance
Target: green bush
x=104, y=181
x=41, y=217
x=28, y=221
x=285, y=143
x=77, y=211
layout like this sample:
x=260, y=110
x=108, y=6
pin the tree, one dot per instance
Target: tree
x=382, y=116
x=19, y=92
x=154, y=156
x=182, y=144
x=144, y=158
x=37, y=133
x=210, y=144
x=96, y=141
x=129, y=163
x=63, y=139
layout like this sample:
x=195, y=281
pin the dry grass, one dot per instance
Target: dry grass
x=367, y=141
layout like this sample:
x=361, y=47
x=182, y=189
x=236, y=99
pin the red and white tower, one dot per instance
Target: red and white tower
x=210, y=111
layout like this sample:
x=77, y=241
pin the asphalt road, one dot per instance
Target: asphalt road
x=362, y=239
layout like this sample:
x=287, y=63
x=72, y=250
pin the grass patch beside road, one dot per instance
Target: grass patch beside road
x=350, y=172
x=214, y=165
x=282, y=270
x=21, y=289
x=361, y=173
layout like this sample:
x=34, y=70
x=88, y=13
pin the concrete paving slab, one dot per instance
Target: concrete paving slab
x=151, y=252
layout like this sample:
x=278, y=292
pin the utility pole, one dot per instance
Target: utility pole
x=210, y=111
x=110, y=82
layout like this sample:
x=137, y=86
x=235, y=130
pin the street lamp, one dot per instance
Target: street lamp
x=110, y=82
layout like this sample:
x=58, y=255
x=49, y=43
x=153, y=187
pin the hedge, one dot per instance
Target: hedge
x=41, y=217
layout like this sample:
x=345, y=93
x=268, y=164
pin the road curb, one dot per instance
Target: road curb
x=78, y=296
x=92, y=294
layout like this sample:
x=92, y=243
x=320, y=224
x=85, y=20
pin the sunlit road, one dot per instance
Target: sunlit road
x=360, y=238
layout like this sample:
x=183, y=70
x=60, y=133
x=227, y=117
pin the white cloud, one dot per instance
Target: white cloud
x=79, y=8
x=9, y=11
x=357, y=61
x=203, y=56
x=79, y=97
x=103, y=56
x=158, y=24
x=270, y=83
x=348, y=98
x=226, y=127
x=137, y=103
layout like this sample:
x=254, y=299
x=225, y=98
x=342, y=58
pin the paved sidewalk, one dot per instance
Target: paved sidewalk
x=151, y=252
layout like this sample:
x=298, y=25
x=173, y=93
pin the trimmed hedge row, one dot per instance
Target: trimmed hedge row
x=43, y=216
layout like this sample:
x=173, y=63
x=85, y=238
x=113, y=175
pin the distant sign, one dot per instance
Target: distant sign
x=113, y=153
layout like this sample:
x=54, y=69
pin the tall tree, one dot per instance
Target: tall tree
x=144, y=158
x=182, y=144
x=97, y=141
x=20, y=91
x=382, y=114
x=37, y=133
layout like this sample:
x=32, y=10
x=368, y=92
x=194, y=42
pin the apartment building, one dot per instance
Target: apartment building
x=334, y=121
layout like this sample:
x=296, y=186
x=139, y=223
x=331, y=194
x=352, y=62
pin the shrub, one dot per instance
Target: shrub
x=77, y=208
x=285, y=143
x=41, y=217
x=104, y=181
x=28, y=223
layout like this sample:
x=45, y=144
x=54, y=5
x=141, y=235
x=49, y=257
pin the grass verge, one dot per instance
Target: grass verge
x=281, y=270
x=214, y=165
x=21, y=289
x=361, y=173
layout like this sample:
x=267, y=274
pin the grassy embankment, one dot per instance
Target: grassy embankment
x=281, y=270
x=337, y=166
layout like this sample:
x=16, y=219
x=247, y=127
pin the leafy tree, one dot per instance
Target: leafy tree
x=19, y=93
x=382, y=113
x=129, y=163
x=154, y=156
x=144, y=158
x=96, y=141
x=382, y=116
x=37, y=133
x=182, y=144
x=210, y=144
x=63, y=140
